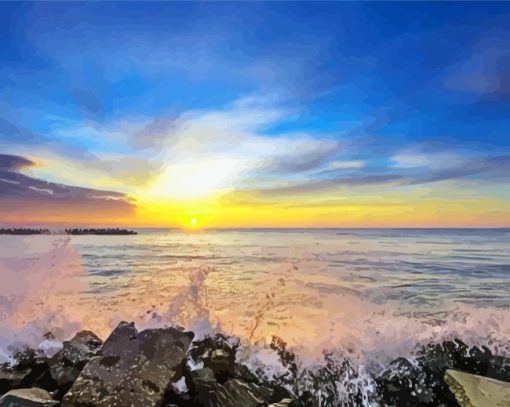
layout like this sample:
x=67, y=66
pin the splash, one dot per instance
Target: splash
x=334, y=330
x=37, y=292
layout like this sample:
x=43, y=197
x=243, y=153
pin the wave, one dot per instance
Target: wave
x=310, y=333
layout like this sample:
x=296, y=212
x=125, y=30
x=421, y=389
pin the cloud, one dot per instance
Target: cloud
x=315, y=186
x=490, y=168
x=424, y=159
x=346, y=165
x=24, y=195
x=486, y=71
x=430, y=165
x=13, y=162
x=191, y=146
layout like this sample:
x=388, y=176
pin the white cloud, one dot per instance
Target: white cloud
x=436, y=160
x=346, y=165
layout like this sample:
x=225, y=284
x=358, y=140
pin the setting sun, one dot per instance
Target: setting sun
x=193, y=222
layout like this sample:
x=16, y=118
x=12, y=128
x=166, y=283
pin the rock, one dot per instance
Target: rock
x=457, y=355
x=200, y=378
x=477, y=391
x=11, y=378
x=421, y=383
x=222, y=362
x=217, y=353
x=33, y=397
x=135, y=369
x=81, y=348
x=404, y=381
x=67, y=364
x=283, y=403
x=232, y=393
x=31, y=369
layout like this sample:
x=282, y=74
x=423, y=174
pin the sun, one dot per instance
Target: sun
x=193, y=222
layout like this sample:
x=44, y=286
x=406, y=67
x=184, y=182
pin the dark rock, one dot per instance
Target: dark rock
x=201, y=378
x=286, y=402
x=244, y=372
x=404, y=384
x=422, y=383
x=11, y=378
x=135, y=369
x=224, y=383
x=218, y=354
x=30, y=369
x=33, y=397
x=67, y=364
x=232, y=393
x=81, y=348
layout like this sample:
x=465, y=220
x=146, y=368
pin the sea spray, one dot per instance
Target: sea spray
x=343, y=340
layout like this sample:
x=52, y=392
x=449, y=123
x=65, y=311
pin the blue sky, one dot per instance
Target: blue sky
x=284, y=100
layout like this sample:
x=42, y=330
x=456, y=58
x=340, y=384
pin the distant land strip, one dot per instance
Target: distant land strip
x=73, y=231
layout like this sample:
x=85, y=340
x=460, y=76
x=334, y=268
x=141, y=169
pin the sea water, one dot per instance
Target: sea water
x=374, y=294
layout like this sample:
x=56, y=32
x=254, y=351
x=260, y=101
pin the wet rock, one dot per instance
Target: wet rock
x=232, y=393
x=217, y=353
x=283, y=403
x=11, y=378
x=33, y=397
x=402, y=382
x=477, y=391
x=201, y=378
x=30, y=369
x=81, y=348
x=134, y=369
x=421, y=383
x=67, y=364
x=457, y=355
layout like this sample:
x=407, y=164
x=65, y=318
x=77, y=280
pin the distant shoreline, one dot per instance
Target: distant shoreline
x=56, y=229
x=69, y=231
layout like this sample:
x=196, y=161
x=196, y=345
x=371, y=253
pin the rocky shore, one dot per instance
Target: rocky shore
x=167, y=367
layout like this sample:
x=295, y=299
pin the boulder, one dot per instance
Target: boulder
x=134, y=369
x=30, y=369
x=200, y=378
x=67, y=364
x=232, y=393
x=11, y=378
x=217, y=353
x=477, y=391
x=283, y=403
x=33, y=397
x=421, y=382
x=81, y=348
x=404, y=381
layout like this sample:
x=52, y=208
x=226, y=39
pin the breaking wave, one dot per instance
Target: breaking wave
x=295, y=325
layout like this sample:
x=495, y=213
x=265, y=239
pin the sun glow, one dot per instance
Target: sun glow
x=193, y=222
x=193, y=180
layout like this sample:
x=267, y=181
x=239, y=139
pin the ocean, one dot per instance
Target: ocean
x=371, y=294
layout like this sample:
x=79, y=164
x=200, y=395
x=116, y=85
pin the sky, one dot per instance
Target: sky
x=255, y=114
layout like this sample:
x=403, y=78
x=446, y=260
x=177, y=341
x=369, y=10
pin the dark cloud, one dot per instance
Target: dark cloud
x=19, y=192
x=13, y=162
